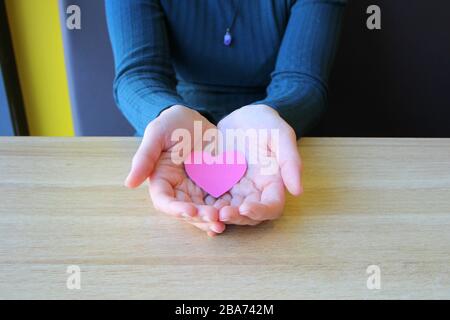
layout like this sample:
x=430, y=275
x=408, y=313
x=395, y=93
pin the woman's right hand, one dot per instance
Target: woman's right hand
x=171, y=190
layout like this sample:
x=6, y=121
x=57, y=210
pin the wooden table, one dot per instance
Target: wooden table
x=383, y=202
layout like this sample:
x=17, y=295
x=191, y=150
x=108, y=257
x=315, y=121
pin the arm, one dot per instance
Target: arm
x=296, y=97
x=145, y=91
x=145, y=81
x=298, y=90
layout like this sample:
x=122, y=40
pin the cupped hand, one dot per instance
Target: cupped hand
x=171, y=190
x=260, y=195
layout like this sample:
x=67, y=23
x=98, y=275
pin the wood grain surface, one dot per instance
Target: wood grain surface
x=383, y=202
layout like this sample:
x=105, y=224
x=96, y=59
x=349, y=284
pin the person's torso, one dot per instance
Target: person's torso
x=196, y=30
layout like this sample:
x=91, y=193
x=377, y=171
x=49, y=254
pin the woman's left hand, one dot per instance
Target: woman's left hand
x=260, y=196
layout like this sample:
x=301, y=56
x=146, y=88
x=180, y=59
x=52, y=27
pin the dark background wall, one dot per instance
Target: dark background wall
x=394, y=81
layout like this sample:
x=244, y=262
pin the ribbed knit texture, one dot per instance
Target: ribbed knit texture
x=171, y=52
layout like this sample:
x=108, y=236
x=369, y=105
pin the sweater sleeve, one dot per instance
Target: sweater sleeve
x=145, y=82
x=298, y=89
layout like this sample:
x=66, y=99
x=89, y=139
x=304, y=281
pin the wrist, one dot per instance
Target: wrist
x=264, y=108
x=177, y=108
x=180, y=113
x=167, y=116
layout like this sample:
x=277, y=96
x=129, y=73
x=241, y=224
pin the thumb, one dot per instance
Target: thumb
x=146, y=157
x=286, y=150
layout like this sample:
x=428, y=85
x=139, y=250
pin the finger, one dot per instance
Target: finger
x=162, y=195
x=289, y=160
x=207, y=213
x=222, y=202
x=146, y=157
x=210, y=200
x=269, y=208
x=202, y=226
x=230, y=215
x=215, y=227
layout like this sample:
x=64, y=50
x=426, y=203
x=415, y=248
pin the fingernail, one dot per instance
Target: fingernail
x=216, y=229
x=127, y=181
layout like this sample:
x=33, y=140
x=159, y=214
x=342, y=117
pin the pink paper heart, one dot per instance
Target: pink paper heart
x=215, y=175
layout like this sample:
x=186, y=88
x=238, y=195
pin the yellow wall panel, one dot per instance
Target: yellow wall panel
x=38, y=47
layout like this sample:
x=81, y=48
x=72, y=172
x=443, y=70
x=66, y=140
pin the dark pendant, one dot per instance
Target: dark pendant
x=227, y=39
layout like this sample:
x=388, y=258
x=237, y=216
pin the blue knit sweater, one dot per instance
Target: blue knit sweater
x=171, y=52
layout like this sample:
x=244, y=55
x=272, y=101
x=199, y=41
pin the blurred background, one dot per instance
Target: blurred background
x=393, y=82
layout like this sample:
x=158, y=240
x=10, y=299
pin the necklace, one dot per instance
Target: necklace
x=228, y=38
